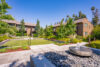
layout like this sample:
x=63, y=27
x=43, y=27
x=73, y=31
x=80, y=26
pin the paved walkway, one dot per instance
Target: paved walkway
x=22, y=58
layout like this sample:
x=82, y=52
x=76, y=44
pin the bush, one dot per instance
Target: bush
x=35, y=35
x=95, y=44
x=65, y=39
x=96, y=32
x=4, y=38
x=25, y=47
x=75, y=40
x=79, y=37
x=18, y=34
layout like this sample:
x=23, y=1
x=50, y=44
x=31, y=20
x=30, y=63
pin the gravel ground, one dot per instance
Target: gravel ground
x=66, y=59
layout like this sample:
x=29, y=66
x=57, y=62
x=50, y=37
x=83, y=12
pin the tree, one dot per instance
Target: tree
x=49, y=32
x=3, y=10
x=8, y=17
x=96, y=32
x=38, y=28
x=80, y=16
x=41, y=31
x=22, y=28
x=61, y=30
x=95, y=18
x=3, y=7
x=6, y=28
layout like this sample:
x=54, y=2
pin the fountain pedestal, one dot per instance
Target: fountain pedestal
x=80, y=51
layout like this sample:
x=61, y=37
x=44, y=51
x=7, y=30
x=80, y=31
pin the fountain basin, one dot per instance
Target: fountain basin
x=80, y=51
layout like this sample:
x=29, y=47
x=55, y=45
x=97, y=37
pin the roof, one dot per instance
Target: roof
x=16, y=22
x=77, y=21
x=81, y=20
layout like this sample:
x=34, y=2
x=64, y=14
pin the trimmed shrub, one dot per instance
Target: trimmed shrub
x=75, y=40
x=35, y=35
x=18, y=34
x=25, y=47
x=65, y=39
x=95, y=44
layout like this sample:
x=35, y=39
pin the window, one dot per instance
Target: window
x=86, y=24
x=86, y=33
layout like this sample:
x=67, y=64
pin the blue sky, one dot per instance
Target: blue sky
x=49, y=11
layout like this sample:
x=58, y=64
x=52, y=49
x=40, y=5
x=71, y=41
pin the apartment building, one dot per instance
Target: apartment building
x=83, y=27
x=29, y=27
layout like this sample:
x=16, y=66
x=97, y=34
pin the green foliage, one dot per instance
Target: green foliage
x=38, y=28
x=95, y=44
x=4, y=37
x=18, y=34
x=41, y=31
x=64, y=39
x=3, y=50
x=70, y=27
x=8, y=17
x=95, y=18
x=25, y=47
x=49, y=32
x=96, y=32
x=22, y=28
x=3, y=7
x=5, y=28
x=61, y=30
x=75, y=40
x=80, y=16
x=35, y=35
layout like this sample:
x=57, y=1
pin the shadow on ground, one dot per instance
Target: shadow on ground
x=17, y=63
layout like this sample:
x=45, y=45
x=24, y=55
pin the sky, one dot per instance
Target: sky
x=49, y=11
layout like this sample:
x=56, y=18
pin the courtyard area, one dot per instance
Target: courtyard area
x=56, y=55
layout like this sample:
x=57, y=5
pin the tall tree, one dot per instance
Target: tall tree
x=3, y=7
x=38, y=28
x=22, y=28
x=70, y=27
x=61, y=30
x=41, y=31
x=95, y=18
x=79, y=16
x=3, y=10
x=49, y=31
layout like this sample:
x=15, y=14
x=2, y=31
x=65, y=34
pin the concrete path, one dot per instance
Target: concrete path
x=22, y=58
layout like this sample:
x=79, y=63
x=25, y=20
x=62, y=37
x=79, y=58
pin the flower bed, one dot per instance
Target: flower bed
x=13, y=49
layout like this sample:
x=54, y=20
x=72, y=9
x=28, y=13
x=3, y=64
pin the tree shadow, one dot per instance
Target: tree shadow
x=1, y=47
x=58, y=59
x=22, y=64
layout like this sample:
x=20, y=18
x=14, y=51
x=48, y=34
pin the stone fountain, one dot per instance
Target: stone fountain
x=80, y=50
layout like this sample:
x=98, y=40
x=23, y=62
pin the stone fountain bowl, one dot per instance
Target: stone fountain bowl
x=80, y=51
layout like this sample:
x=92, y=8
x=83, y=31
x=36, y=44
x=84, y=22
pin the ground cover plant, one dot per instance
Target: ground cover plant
x=94, y=44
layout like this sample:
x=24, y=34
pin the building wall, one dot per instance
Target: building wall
x=79, y=29
x=28, y=29
x=87, y=28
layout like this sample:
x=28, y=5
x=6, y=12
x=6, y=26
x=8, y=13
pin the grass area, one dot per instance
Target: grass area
x=23, y=44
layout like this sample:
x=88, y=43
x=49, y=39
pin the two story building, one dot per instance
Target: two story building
x=83, y=27
x=29, y=27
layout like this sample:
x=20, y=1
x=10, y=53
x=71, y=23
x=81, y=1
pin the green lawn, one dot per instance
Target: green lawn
x=25, y=42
